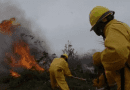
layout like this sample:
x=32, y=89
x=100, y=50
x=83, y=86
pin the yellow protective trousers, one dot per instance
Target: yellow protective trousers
x=58, y=79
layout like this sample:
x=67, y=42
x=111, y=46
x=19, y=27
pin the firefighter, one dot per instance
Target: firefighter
x=59, y=68
x=116, y=55
x=105, y=78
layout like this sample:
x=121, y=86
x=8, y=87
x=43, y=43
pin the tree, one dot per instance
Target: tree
x=73, y=59
x=69, y=50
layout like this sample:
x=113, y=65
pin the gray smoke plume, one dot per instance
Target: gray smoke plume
x=36, y=43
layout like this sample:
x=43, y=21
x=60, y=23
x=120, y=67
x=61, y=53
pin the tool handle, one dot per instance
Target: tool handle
x=79, y=78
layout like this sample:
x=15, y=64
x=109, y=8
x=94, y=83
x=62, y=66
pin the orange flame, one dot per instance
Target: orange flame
x=26, y=60
x=20, y=48
x=8, y=26
x=14, y=74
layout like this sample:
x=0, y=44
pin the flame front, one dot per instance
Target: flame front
x=26, y=60
x=20, y=48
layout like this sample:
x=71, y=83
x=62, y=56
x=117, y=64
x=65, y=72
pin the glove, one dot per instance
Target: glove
x=99, y=84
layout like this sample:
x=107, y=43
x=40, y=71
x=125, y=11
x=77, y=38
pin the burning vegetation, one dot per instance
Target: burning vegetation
x=25, y=60
x=6, y=26
x=19, y=48
x=18, y=55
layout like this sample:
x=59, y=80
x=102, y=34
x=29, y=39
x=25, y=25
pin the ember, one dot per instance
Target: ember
x=14, y=74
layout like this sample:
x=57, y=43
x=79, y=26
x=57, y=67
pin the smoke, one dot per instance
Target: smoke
x=25, y=32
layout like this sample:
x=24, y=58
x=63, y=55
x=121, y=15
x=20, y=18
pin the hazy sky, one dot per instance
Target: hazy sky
x=63, y=20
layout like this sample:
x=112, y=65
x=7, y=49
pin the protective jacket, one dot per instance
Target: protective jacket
x=117, y=51
x=59, y=68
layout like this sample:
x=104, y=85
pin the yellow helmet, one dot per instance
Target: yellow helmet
x=65, y=55
x=97, y=59
x=97, y=14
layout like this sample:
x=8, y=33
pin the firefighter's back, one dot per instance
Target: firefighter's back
x=57, y=63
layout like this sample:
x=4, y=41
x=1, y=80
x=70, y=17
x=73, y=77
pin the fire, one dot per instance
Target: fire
x=14, y=74
x=8, y=26
x=20, y=48
x=26, y=59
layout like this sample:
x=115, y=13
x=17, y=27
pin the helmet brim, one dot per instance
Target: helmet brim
x=102, y=17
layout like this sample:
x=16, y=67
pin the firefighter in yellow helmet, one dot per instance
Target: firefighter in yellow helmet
x=59, y=68
x=105, y=78
x=116, y=35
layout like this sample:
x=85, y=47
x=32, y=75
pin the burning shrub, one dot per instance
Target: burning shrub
x=16, y=50
x=21, y=65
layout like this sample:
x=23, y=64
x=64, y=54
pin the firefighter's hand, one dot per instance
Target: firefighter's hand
x=96, y=84
x=70, y=76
